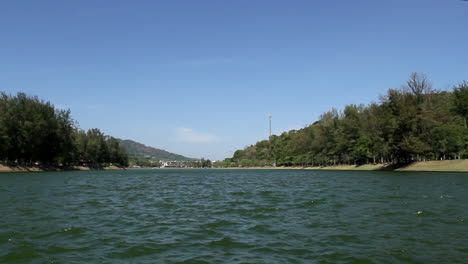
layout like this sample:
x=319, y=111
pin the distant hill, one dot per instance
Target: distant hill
x=138, y=150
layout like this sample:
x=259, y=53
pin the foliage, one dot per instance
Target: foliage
x=203, y=163
x=149, y=163
x=35, y=132
x=415, y=123
x=460, y=102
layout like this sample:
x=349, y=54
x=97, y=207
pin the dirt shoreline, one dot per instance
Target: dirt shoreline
x=4, y=168
x=424, y=166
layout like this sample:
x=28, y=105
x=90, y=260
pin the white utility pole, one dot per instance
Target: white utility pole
x=269, y=116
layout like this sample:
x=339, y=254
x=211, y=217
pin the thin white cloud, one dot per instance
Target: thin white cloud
x=185, y=134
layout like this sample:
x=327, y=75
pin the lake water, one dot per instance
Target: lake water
x=233, y=216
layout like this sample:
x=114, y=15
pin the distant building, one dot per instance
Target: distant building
x=175, y=164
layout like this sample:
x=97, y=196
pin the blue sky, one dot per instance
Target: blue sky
x=199, y=78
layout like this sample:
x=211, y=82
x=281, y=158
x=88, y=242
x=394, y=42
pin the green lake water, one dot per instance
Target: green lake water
x=233, y=216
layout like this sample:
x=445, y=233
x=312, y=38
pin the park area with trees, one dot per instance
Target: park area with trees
x=414, y=123
x=34, y=132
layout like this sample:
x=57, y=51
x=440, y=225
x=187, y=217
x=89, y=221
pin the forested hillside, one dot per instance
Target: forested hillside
x=34, y=132
x=139, y=151
x=414, y=123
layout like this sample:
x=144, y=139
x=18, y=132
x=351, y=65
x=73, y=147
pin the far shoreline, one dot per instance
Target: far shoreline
x=19, y=168
x=422, y=166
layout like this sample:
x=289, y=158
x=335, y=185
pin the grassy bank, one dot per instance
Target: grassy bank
x=52, y=168
x=439, y=165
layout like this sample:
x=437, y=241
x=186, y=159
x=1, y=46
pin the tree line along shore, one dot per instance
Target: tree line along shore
x=416, y=123
x=407, y=128
x=34, y=135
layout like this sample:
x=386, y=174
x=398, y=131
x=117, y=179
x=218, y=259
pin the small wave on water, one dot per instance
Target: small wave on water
x=69, y=231
x=309, y=203
x=424, y=213
x=264, y=229
x=228, y=242
x=240, y=193
x=218, y=224
x=265, y=193
x=140, y=250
